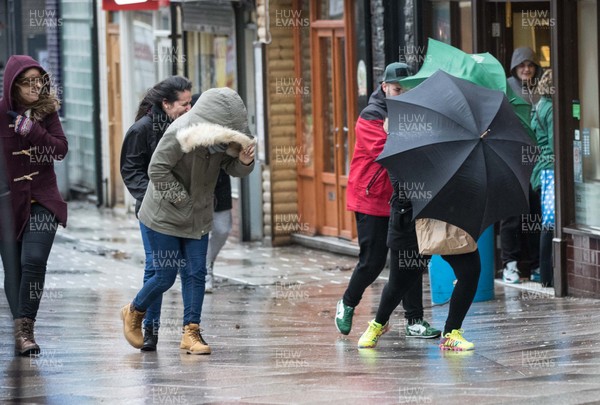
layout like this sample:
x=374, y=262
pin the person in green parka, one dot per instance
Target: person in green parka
x=177, y=210
x=542, y=177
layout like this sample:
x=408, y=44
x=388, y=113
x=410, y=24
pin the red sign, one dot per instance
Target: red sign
x=126, y=5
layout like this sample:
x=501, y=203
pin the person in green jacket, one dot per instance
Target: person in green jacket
x=542, y=177
x=177, y=210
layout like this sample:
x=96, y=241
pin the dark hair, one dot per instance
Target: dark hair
x=47, y=102
x=195, y=98
x=167, y=89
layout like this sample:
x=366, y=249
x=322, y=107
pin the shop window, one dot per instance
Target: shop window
x=215, y=63
x=586, y=145
x=440, y=21
x=306, y=105
x=531, y=27
x=331, y=9
x=450, y=22
x=466, y=26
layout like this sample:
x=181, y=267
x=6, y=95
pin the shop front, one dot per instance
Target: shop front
x=578, y=157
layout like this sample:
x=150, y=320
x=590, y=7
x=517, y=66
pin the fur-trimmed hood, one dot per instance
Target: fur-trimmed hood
x=185, y=166
x=218, y=121
x=206, y=134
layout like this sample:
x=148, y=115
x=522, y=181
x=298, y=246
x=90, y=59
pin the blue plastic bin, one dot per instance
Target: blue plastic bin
x=441, y=275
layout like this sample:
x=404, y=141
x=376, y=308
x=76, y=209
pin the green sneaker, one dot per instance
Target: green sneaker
x=422, y=329
x=343, y=317
x=368, y=340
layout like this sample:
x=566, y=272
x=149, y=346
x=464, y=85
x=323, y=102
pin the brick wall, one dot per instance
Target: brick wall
x=583, y=266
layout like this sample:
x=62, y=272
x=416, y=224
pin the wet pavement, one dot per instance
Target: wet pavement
x=270, y=325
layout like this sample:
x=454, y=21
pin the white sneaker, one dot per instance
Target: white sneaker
x=208, y=286
x=510, y=274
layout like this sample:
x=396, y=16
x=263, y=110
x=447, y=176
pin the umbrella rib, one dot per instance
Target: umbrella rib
x=442, y=114
x=523, y=145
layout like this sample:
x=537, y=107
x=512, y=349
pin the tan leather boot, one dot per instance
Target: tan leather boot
x=24, y=340
x=132, y=325
x=192, y=341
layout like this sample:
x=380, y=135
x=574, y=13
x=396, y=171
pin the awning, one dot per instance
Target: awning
x=127, y=5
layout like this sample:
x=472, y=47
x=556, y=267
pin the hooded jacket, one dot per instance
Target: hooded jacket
x=369, y=187
x=520, y=88
x=543, y=126
x=28, y=161
x=184, y=168
x=139, y=144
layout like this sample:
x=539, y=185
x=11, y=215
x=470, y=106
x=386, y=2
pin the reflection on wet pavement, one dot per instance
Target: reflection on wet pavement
x=270, y=325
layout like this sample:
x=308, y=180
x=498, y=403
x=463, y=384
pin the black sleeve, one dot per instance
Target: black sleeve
x=135, y=158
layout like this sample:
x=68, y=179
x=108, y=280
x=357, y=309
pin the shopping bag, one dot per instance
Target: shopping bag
x=437, y=237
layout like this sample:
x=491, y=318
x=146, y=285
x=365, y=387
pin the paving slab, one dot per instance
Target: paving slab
x=270, y=325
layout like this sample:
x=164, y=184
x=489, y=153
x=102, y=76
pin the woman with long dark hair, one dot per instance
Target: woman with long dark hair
x=32, y=139
x=163, y=103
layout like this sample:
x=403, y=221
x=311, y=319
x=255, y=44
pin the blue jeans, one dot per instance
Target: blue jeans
x=169, y=255
x=152, y=318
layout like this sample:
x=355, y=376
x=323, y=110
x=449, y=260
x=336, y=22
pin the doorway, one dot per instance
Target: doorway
x=516, y=24
x=116, y=188
x=332, y=134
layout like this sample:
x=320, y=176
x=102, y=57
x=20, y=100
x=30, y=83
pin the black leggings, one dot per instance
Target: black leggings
x=25, y=263
x=466, y=268
x=372, y=236
x=405, y=268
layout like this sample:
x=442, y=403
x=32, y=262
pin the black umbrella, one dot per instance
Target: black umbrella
x=460, y=151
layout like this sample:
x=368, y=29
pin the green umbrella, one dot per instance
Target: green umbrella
x=481, y=69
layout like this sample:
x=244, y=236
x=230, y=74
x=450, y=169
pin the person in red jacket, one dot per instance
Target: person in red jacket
x=31, y=139
x=368, y=195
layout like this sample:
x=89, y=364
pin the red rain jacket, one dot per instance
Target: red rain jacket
x=369, y=187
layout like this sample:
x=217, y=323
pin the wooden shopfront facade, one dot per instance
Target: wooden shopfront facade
x=337, y=55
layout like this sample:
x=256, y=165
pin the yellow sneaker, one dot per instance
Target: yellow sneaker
x=369, y=339
x=455, y=341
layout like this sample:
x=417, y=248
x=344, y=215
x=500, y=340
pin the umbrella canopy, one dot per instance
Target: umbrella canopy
x=460, y=153
x=482, y=69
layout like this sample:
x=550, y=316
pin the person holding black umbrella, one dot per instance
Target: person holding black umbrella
x=407, y=266
x=464, y=145
x=369, y=192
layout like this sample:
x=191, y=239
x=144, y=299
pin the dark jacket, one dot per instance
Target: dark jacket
x=520, y=88
x=28, y=161
x=223, y=192
x=185, y=166
x=138, y=146
x=401, y=229
x=369, y=187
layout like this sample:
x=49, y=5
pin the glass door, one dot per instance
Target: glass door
x=334, y=133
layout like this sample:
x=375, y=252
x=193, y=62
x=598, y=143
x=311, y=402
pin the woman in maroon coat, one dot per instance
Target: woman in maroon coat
x=31, y=139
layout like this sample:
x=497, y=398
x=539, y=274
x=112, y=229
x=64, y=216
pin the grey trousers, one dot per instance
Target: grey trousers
x=222, y=223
